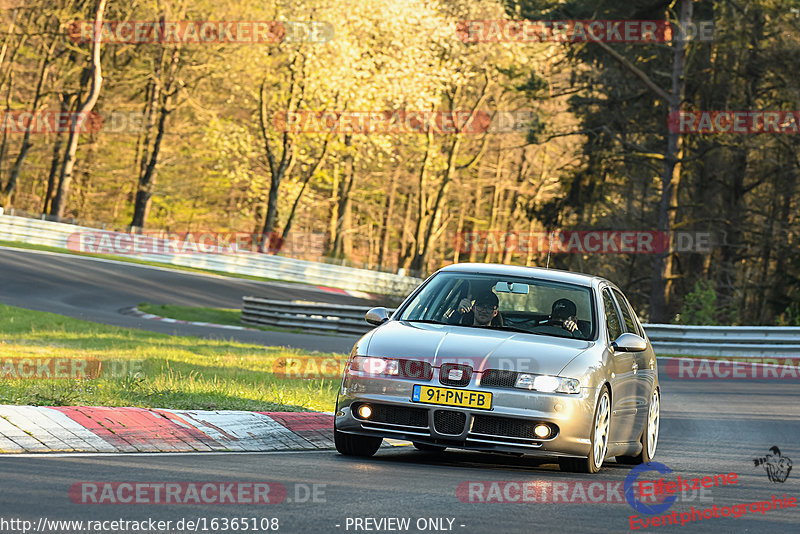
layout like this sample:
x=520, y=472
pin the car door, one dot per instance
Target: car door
x=623, y=385
x=645, y=361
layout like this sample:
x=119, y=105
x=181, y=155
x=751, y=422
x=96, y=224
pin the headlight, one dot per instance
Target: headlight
x=548, y=384
x=375, y=366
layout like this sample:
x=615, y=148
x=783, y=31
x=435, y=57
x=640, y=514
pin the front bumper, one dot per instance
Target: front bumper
x=507, y=427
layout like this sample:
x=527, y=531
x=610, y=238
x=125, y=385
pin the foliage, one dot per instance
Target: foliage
x=589, y=156
x=699, y=305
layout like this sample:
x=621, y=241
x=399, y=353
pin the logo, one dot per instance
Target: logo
x=630, y=495
x=777, y=467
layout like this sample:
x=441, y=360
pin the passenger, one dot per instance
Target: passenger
x=483, y=313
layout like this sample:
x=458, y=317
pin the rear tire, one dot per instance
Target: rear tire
x=355, y=445
x=599, y=442
x=427, y=448
x=649, y=437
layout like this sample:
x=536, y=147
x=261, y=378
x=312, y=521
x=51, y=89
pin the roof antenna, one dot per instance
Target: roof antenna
x=549, y=247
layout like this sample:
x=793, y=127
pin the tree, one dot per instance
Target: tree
x=93, y=77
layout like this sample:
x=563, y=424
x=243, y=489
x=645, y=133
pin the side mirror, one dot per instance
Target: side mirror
x=377, y=316
x=629, y=343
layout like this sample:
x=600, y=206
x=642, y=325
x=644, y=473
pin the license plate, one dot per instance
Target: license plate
x=452, y=397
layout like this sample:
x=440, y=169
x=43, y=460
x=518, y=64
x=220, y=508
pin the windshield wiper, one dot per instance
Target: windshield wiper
x=510, y=329
x=551, y=334
x=426, y=321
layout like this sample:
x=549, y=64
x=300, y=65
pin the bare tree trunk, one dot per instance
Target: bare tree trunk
x=55, y=158
x=342, y=245
x=333, y=222
x=670, y=179
x=277, y=170
x=522, y=172
x=148, y=169
x=7, y=75
x=422, y=207
x=143, y=141
x=4, y=142
x=388, y=211
x=436, y=213
x=476, y=213
x=317, y=166
x=459, y=235
x=11, y=185
x=406, y=237
x=497, y=190
x=60, y=201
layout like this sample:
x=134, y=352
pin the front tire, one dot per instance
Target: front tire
x=599, y=442
x=649, y=437
x=355, y=445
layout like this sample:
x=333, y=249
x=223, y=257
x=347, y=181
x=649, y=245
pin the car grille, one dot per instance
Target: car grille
x=396, y=415
x=449, y=421
x=466, y=374
x=499, y=378
x=503, y=426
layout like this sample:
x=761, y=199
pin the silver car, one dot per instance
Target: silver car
x=506, y=359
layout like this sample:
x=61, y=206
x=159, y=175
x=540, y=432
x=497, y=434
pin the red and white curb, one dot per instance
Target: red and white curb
x=352, y=293
x=26, y=429
x=38, y=429
x=136, y=312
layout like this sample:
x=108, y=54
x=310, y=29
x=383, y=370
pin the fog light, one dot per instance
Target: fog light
x=542, y=431
x=365, y=411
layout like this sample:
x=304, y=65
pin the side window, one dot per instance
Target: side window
x=612, y=319
x=630, y=324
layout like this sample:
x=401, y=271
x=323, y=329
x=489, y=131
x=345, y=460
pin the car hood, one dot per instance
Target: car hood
x=478, y=347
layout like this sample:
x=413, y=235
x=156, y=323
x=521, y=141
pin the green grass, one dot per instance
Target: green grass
x=161, y=371
x=227, y=316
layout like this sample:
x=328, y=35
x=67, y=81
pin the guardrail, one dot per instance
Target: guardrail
x=57, y=234
x=306, y=315
x=666, y=339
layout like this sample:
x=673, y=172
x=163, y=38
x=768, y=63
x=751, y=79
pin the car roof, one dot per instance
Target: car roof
x=551, y=275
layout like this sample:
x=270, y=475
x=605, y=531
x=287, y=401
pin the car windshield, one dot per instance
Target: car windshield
x=517, y=304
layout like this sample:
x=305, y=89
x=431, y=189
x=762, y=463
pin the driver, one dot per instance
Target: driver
x=483, y=313
x=565, y=315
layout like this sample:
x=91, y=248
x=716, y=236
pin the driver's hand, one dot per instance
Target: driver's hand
x=571, y=325
x=465, y=305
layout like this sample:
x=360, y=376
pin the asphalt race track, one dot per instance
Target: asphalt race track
x=708, y=427
x=85, y=288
